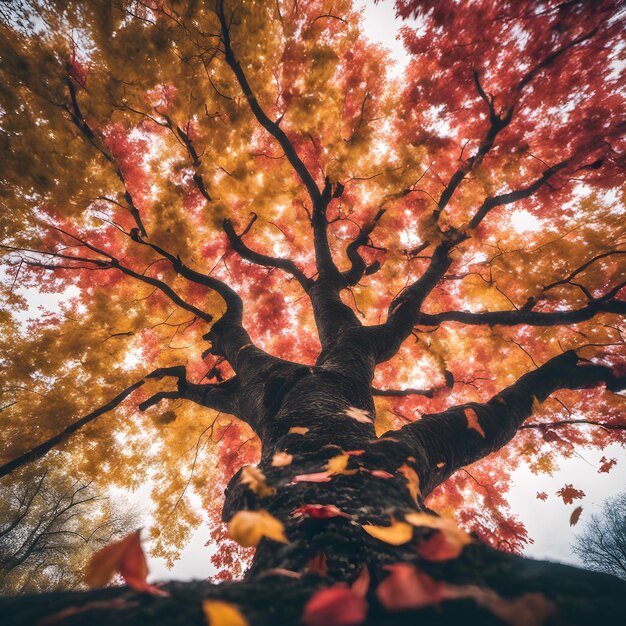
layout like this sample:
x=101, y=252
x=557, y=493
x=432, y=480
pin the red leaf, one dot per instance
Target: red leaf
x=319, y=477
x=606, y=465
x=362, y=582
x=335, y=606
x=407, y=588
x=575, y=516
x=381, y=474
x=569, y=494
x=319, y=511
x=542, y=495
x=318, y=565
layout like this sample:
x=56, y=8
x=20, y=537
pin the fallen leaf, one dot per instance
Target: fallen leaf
x=396, y=534
x=335, y=606
x=381, y=474
x=298, y=430
x=247, y=528
x=319, y=511
x=360, y=415
x=569, y=493
x=255, y=479
x=125, y=557
x=575, y=516
x=472, y=421
x=318, y=477
x=338, y=464
x=280, y=459
x=219, y=613
x=446, y=544
x=413, y=479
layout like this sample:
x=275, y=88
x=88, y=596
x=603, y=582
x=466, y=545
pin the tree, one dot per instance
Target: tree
x=602, y=543
x=263, y=244
x=51, y=524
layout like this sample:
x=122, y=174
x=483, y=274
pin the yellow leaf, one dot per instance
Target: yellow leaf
x=472, y=421
x=414, y=481
x=218, y=613
x=248, y=527
x=396, y=534
x=360, y=415
x=337, y=465
x=280, y=459
x=454, y=535
x=298, y=430
x=255, y=479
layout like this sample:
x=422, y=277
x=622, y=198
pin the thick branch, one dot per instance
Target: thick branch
x=286, y=265
x=358, y=266
x=520, y=317
x=444, y=442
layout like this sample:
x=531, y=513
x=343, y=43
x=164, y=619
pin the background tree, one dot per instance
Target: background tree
x=51, y=525
x=602, y=543
x=255, y=234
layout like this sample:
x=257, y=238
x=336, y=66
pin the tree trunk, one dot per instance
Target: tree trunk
x=331, y=408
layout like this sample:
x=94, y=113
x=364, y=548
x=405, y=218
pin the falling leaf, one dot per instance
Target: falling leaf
x=575, y=516
x=335, y=606
x=255, y=479
x=125, y=557
x=569, y=494
x=446, y=544
x=396, y=534
x=606, y=465
x=219, y=613
x=360, y=415
x=355, y=452
x=472, y=421
x=542, y=495
x=440, y=465
x=280, y=459
x=319, y=511
x=248, y=527
x=298, y=430
x=414, y=481
x=318, y=477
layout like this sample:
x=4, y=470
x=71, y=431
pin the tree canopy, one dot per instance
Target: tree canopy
x=173, y=169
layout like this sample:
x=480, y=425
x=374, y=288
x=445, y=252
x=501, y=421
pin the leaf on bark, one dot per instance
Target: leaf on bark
x=413, y=479
x=255, y=479
x=281, y=459
x=247, y=528
x=298, y=430
x=360, y=415
x=396, y=534
x=319, y=511
x=446, y=544
x=472, y=421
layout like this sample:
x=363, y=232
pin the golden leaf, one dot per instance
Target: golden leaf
x=248, y=527
x=396, y=534
x=298, y=430
x=219, y=613
x=414, y=481
x=255, y=479
x=280, y=459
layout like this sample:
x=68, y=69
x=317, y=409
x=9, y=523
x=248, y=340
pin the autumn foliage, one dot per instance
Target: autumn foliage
x=161, y=153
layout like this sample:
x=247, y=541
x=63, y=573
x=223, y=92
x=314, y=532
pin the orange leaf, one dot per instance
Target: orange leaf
x=575, y=516
x=318, y=477
x=318, y=565
x=335, y=606
x=319, y=511
x=396, y=534
x=298, y=430
x=569, y=493
x=219, y=613
x=247, y=528
x=542, y=495
x=606, y=465
x=472, y=421
x=414, y=481
x=446, y=544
